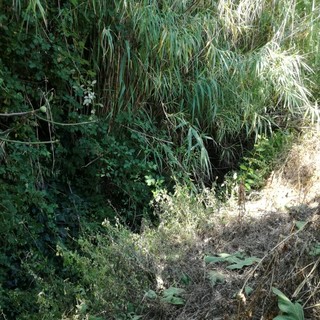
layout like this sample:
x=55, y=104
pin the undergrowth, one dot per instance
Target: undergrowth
x=123, y=111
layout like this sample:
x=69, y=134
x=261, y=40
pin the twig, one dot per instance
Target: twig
x=92, y=161
x=14, y=114
x=304, y=281
x=29, y=142
x=67, y=124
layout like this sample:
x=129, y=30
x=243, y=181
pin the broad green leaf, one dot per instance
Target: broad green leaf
x=233, y=259
x=211, y=259
x=243, y=167
x=225, y=255
x=237, y=260
x=298, y=311
x=284, y=303
x=292, y=311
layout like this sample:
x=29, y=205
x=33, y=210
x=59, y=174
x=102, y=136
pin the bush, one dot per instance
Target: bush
x=106, y=278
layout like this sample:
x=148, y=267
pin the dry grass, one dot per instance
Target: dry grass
x=296, y=181
x=268, y=230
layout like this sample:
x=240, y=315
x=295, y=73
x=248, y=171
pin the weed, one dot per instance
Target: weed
x=290, y=310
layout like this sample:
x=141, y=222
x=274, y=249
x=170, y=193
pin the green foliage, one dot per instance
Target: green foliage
x=290, y=310
x=185, y=279
x=105, y=276
x=172, y=295
x=151, y=294
x=235, y=261
x=258, y=164
x=104, y=104
x=248, y=290
x=315, y=250
x=32, y=221
x=111, y=272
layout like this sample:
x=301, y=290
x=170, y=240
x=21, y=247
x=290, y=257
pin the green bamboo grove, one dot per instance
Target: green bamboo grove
x=217, y=70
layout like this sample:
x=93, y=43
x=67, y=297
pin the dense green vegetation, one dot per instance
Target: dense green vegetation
x=105, y=103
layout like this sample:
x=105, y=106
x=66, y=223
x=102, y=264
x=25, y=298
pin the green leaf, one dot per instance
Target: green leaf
x=300, y=224
x=237, y=260
x=243, y=263
x=248, y=290
x=223, y=257
x=299, y=310
x=172, y=291
x=315, y=251
x=292, y=311
x=171, y=295
x=243, y=167
x=173, y=300
x=150, y=181
x=283, y=302
x=151, y=295
x=215, y=277
x=185, y=279
x=212, y=259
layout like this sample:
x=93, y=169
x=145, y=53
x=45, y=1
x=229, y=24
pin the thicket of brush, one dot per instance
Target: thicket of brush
x=105, y=102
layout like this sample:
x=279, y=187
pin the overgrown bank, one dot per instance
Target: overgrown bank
x=206, y=259
x=229, y=261
x=105, y=104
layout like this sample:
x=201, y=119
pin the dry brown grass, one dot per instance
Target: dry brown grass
x=268, y=230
